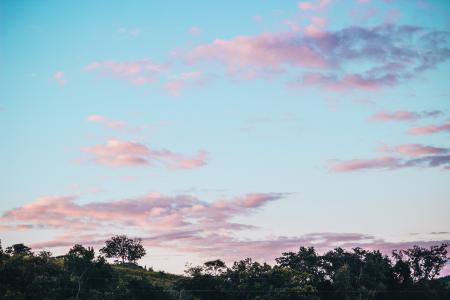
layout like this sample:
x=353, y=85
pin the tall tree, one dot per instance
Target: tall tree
x=78, y=261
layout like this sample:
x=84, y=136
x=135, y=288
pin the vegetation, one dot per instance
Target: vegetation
x=338, y=274
x=120, y=246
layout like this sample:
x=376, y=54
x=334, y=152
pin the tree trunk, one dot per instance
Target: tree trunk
x=80, y=281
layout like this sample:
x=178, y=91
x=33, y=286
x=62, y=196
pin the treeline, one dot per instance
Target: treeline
x=80, y=274
x=338, y=274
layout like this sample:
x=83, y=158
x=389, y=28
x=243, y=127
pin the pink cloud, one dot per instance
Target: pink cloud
x=115, y=152
x=422, y=157
x=361, y=164
x=414, y=150
x=395, y=116
x=315, y=29
x=176, y=84
x=135, y=72
x=265, y=50
x=386, y=116
x=194, y=30
x=391, y=54
x=112, y=124
x=180, y=161
x=346, y=82
x=152, y=213
x=311, y=5
x=120, y=153
x=430, y=129
x=58, y=77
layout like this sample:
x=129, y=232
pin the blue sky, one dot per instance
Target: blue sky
x=322, y=123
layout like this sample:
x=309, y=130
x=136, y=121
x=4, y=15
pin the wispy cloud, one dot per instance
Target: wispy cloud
x=176, y=84
x=122, y=126
x=112, y=124
x=135, y=72
x=402, y=156
x=386, y=116
x=413, y=149
x=385, y=162
x=116, y=152
x=391, y=54
x=59, y=78
x=430, y=129
x=319, y=4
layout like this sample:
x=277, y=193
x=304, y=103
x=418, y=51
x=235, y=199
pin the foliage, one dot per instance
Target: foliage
x=77, y=275
x=120, y=246
x=18, y=249
x=337, y=274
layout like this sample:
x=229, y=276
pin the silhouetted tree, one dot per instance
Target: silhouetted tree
x=305, y=261
x=426, y=263
x=78, y=261
x=120, y=246
x=18, y=249
x=215, y=267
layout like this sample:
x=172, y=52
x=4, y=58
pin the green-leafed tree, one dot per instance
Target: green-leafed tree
x=79, y=260
x=18, y=249
x=124, y=249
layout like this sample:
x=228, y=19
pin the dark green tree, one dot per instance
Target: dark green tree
x=123, y=248
x=79, y=260
x=305, y=261
x=18, y=249
x=426, y=263
x=215, y=267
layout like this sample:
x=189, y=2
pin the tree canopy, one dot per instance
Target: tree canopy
x=123, y=248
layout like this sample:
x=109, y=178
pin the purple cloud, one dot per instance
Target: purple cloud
x=386, y=55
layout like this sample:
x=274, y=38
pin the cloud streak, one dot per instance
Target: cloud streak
x=412, y=155
x=403, y=116
x=430, y=129
x=111, y=124
x=116, y=153
x=135, y=72
x=413, y=149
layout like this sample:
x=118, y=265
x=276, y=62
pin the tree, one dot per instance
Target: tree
x=305, y=261
x=215, y=267
x=18, y=249
x=78, y=261
x=124, y=248
x=425, y=263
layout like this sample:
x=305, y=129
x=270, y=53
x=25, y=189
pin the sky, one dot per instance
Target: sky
x=225, y=129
